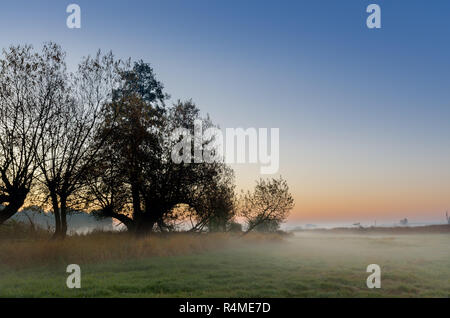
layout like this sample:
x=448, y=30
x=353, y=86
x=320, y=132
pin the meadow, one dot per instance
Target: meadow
x=306, y=264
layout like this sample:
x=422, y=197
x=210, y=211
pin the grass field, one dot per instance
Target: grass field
x=304, y=265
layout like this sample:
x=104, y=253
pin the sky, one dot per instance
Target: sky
x=364, y=114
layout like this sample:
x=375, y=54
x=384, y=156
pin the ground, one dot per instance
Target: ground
x=307, y=264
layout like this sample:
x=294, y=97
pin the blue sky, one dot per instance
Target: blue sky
x=364, y=115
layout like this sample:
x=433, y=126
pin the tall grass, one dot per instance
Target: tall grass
x=21, y=247
x=14, y=230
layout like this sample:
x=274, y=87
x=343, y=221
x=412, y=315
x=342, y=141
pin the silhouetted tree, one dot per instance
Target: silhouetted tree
x=29, y=84
x=138, y=152
x=167, y=183
x=69, y=148
x=216, y=205
x=102, y=137
x=132, y=124
x=267, y=206
x=211, y=204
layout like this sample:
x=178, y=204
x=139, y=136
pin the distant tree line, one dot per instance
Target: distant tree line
x=97, y=139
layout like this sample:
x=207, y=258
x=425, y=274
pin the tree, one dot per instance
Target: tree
x=167, y=183
x=267, y=206
x=132, y=125
x=69, y=148
x=29, y=83
x=138, y=152
x=216, y=205
x=211, y=204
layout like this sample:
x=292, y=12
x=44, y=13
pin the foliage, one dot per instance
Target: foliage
x=101, y=139
x=267, y=206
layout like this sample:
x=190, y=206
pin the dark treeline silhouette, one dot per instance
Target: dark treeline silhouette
x=98, y=139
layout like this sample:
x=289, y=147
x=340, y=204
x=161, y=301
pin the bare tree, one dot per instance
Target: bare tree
x=28, y=84
x=268, y=205
x=69, y=146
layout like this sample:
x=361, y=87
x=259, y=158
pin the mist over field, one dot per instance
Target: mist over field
x=304, y=264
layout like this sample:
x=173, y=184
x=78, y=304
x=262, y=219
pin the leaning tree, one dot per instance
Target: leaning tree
x=30, y=83
x=267, y=206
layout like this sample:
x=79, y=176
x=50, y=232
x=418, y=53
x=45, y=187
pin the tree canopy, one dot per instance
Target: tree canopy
x=101, y=139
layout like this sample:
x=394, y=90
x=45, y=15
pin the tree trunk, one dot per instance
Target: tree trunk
x=63, y=233
x=57, y=214
x=136, y=201
x=16, y=201
x=145, y=225
x=128, y=222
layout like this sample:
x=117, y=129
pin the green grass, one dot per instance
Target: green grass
x=302, y=266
